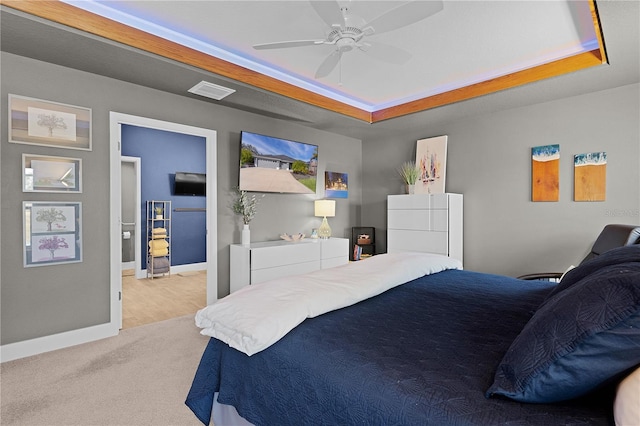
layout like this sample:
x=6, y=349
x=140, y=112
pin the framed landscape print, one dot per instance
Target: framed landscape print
x=51, y=233
x=39, y=122
x=42, y=173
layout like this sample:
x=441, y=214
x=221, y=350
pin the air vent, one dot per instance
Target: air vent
x=210, y=90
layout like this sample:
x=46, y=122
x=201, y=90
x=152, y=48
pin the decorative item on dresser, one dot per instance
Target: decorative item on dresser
x=246, y=206
x=324, y=209
x=158, y=238
x=431, y=160
x=409, y=173
x=268, y=260
x=430, y=223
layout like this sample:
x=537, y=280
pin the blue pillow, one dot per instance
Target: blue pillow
x=614, y=256
x=583, y=337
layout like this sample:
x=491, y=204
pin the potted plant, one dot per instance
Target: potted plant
x=245, y=206
x=158, y=211
x=409, y=174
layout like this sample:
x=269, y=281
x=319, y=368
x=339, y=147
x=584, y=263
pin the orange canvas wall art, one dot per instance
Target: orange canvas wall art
x=545, y=173
x=590, y=176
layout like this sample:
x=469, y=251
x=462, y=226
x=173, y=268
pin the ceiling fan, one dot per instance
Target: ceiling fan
x=348, y=32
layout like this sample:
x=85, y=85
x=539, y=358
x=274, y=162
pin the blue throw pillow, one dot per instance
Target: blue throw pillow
x=614, y=256
x=583, y=337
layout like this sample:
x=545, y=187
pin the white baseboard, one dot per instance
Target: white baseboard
x=40, y=345
x=129, y=265
x=43, y=344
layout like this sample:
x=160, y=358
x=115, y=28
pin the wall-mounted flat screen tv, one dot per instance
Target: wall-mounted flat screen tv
x=269, y=164
x=188, y=183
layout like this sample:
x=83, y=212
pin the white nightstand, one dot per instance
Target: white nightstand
x=268, y=260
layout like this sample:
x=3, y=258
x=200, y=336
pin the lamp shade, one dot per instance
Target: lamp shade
x=325, y=208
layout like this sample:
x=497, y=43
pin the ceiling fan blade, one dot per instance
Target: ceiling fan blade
x=385, y=52
x=329, y=11
x=284, y=44
x=404, y=15
x=329, y=64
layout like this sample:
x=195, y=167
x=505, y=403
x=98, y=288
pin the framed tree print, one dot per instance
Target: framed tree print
x=51, y=233
x=39, y=122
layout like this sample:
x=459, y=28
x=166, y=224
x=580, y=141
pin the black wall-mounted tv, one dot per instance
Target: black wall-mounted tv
x=188, y=183
x=269, y=164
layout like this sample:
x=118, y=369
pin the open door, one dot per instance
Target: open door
x=116, y=194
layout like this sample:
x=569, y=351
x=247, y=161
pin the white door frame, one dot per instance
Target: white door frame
x=115, y=121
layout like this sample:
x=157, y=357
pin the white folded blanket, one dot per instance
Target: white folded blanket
x=255, y=317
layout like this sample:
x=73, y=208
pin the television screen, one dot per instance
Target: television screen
x=187, y=183
x=269, y=164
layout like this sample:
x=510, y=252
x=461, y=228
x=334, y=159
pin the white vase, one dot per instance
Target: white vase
x=410, y=189
x=246, y=235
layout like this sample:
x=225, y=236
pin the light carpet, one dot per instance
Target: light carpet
x=140, y=377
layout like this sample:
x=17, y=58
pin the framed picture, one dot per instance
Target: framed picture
x=42, y=173
x=590, y=176
x=336, y=185
x=38, y=122
x=431, y=160
x=51, y=233
x=545, y=173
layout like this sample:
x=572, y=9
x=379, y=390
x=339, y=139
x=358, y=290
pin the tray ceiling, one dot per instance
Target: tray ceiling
x=468, y=49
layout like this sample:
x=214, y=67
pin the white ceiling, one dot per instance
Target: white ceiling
x=47, y=37
x=465, y=43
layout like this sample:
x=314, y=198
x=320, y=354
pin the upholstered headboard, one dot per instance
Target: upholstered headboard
x=614, y=235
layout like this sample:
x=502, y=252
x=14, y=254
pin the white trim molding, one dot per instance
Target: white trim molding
x=12, y=351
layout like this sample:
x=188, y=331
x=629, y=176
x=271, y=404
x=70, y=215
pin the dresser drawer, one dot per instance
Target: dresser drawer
x=399, y=240
x=418, y=220
x=419, y=202
x=266, y=274
x=285, y=254
x=334, y=247
x=269, y=260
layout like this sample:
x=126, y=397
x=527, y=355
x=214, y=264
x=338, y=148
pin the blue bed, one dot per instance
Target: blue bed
x=422, y=353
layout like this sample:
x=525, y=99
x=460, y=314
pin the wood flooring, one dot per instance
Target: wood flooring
x=147, y=300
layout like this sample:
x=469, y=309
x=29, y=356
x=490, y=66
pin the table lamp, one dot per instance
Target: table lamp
x=324, y=208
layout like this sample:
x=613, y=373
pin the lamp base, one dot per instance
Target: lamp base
x=325, y=230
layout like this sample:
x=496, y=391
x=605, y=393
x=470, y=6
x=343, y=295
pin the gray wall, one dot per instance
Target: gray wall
x=489, y=161
x=41, y=301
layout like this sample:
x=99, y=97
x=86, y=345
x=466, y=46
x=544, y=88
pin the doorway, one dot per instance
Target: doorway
x=118, y=219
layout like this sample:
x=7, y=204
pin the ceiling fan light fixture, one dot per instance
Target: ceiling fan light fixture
x=210, y=90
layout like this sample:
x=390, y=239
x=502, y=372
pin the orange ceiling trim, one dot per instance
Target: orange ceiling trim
x=530, y=75
x=598, y=30
x=62, y=13
x=80, y=19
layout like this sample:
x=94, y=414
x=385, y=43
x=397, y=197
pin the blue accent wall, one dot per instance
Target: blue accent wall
x=162, y=154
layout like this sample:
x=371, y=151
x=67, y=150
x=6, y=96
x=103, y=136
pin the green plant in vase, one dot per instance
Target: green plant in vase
x=409, y=173
x=159, y=212
x=246, y=206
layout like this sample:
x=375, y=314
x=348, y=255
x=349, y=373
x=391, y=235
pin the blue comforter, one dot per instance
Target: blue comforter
x=422, y=353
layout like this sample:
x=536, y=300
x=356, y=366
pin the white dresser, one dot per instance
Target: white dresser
x=429, y=223
x=273, y=259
